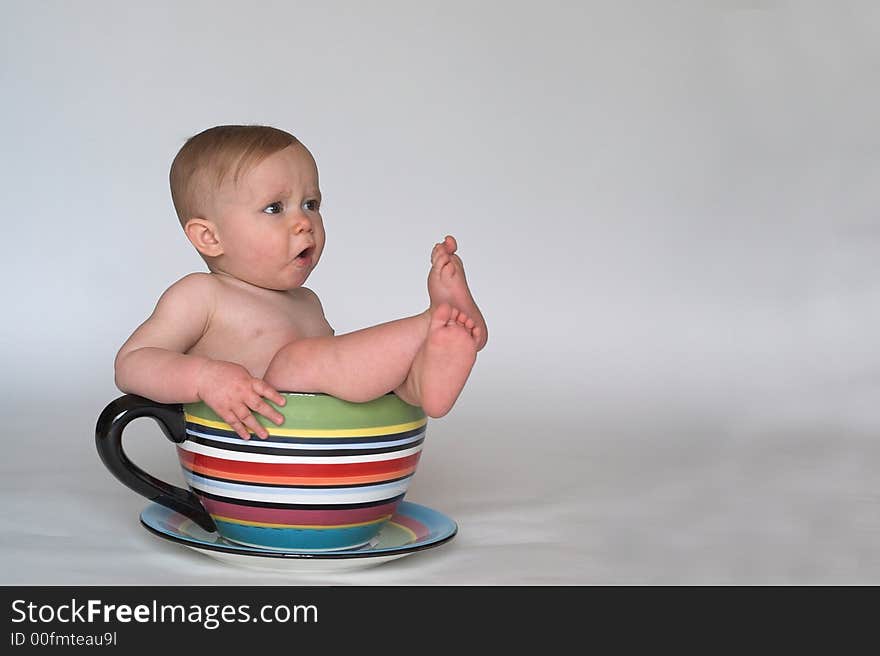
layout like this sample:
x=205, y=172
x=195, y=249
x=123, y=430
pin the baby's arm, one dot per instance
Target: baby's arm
x=153, y=361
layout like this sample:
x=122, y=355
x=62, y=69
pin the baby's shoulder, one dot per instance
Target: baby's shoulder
x=306, y=298
x=305, y=294
x=194, y=289
x=194, y=285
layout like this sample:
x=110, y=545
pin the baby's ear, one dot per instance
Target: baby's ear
x=203, y=235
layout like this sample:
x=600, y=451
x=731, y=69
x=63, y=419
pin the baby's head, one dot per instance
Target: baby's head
x=248, y=199
x=217, y=155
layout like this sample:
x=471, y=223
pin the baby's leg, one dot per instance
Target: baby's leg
x=424, y=359
x=358, y=366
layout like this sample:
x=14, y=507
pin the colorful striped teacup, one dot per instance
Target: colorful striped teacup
x=328, y=478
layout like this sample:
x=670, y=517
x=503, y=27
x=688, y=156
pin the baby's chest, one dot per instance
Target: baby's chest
x=281, y=323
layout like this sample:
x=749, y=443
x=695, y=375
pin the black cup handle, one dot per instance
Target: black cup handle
x=108, y=439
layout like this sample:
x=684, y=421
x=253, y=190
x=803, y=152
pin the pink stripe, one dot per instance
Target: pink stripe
x=413, y=525
x=297, y=517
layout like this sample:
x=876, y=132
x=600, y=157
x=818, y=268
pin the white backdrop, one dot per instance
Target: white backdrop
x=667, y=212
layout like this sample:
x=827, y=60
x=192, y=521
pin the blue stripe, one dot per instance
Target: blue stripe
x=350, y=443
x=307, y=539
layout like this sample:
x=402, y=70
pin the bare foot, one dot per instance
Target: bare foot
x=447, y=284
x=445, y=359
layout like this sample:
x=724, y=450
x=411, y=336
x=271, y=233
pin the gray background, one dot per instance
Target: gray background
x=668, y=215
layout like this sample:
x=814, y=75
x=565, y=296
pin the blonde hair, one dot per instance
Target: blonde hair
x=206, y=159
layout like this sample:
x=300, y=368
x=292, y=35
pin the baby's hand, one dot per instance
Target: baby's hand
x=230, y=391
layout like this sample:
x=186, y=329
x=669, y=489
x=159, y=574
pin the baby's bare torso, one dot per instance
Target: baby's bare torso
x=248, y=325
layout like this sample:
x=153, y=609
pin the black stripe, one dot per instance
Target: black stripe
x=387, y=437
x=297, y=506
x=244, y=447
x=286, y=485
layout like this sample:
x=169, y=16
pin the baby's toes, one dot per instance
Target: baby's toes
x=440, y=316
x=439, y=260
x=438, y=248
x=447, y=271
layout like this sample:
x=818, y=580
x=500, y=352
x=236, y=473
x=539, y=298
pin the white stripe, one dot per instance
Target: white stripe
x=257, y=443
x=298, y=495
x=243, y=456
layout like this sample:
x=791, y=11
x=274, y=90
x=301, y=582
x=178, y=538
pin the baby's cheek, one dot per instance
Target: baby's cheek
x=260, y=252
x=260, y=249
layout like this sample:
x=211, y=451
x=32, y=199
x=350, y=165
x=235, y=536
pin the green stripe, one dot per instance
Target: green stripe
x=325, y=412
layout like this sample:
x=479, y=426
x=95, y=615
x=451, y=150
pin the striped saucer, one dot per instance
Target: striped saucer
x=413, y=528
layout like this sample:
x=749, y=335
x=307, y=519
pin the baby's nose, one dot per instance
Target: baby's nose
x=302, y=224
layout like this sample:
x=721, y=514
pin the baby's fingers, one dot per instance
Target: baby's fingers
x=257, y=404
x=265, y=390
x=251, y=423
x=236, y=423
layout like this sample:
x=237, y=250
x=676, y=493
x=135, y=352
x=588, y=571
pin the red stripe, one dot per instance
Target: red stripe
x=233, y=468
x=300, y=517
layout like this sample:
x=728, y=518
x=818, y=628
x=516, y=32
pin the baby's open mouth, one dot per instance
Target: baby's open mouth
x=306, y=253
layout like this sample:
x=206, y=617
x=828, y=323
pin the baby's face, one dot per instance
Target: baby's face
x=270, y=224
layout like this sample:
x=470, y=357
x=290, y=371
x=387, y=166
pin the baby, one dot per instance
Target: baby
x=248, y=200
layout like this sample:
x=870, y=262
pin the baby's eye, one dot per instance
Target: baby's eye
x=275, y=208
x=312, y=205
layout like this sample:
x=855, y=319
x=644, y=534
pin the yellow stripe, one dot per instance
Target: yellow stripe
x=412, y=534
x=245, y=522
x=305, y=432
